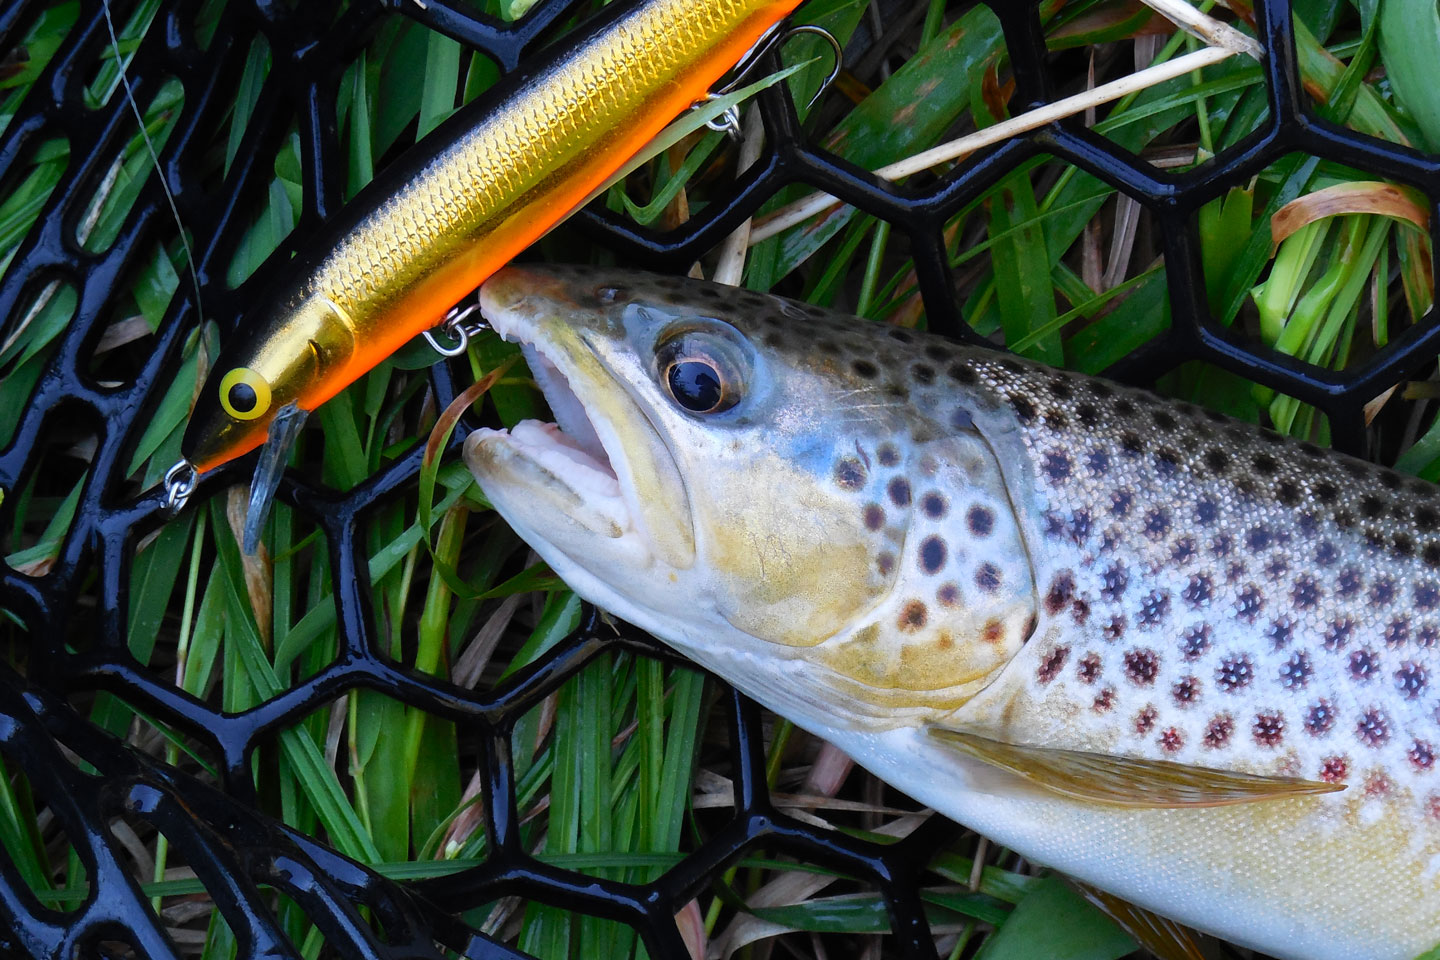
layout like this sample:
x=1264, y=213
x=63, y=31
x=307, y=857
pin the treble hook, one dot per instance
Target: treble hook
x=772, y=39
x=455, y=326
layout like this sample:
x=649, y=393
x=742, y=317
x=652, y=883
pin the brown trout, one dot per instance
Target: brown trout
x=1178, y=657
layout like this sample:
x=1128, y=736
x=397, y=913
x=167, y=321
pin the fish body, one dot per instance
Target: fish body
x=475, y=192
x=909, y=546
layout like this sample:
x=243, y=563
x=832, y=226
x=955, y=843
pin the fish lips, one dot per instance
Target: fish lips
x=600, y=486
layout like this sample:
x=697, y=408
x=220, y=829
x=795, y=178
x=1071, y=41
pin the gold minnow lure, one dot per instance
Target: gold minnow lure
x=478, y=190
x=1180, y=658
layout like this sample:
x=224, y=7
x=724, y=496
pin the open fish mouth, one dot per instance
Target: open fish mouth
x=602, y=464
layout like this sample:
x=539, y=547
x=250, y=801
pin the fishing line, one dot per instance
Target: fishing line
x=154, y=157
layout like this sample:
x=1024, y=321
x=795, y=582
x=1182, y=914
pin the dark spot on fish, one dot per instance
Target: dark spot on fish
x=923, y=373
x=1206, y=511
x=1185, y=691
x=1154, y=608
x=1279, y=632
x=850, y=473
x=1087, y=414
x=1428, y=636
x=1157, y=523
x=932, y=554
x=1268, y=729
x=1235, y=672
x=988, y=577
x=1249, y=603
x=885, y=563
x=828, y=347
x=1114, y=628
x=1431, y=554
x=1217, y=460
x=1145, y=719
x=1333, y=769
x=980, y=520
x=912, y=616
x=1427, y=519
x=887, y=455
x=1098, y=462
x=1390, y=479
x=1338, y=633
x=937, y=352
x=1089, y=668
x=899, y=490
x=1056, y=467
x=773, y=339
x=1062, y=590
x=1183, y=551
x=962, y=373
x=993, y=631
x=1422, y=755
x=1142, y=666
x=1080, y=522
x=1171, y=740
x=1164, y=420
x=1427, y=596
x=865, y=369
x=1344, y=519
x=1167, y=464
x=1264, y=464
x=1371, y=507
x=934, y=505
x=1306, y=593
x=1287, y=492
x=1383, y=592
x=1319, y=718
x=1051, y=664
x=1259, y=538
x=1410, y=679
x=1397, y=632
x=1056, y=420
x=874, y=516
x=1295, y=672
x=1349, y=582
x=1325, y=491
x=1218, y=731
x=1310, y=450
x=1199, y=591
x=904, y=336
x=1104, y=700
x=1277, y=567
x=1124, y=407
x=1373, y=728
x=962, y=419
x=1326, y=554
x=1120, y=501
x=1131, y=444
x=1113, y=582
x=948, y=595
x=1061, y=389
x=1024, y=409
x=1364, y=664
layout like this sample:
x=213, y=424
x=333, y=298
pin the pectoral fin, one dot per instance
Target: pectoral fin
x=1126, y=781
x=1161, y=936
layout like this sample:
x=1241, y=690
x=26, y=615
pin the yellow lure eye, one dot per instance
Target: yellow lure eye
x=244, y=394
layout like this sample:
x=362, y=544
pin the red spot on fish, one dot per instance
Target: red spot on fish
x=1145, y=719
x=1051, y=664
x=1378, y=785
x=1089, y=667
x=1218, y=730
x=1333, y=769
x=1269, y=728
x=1171, y=740
x=1104, y=700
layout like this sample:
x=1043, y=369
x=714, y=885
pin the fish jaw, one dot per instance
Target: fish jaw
x=600, y=484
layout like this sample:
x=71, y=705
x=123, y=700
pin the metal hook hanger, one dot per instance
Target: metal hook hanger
x=459, y=327
x=774, y=38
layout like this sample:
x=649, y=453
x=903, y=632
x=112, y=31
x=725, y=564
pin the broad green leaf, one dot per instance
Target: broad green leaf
x=1055, y=923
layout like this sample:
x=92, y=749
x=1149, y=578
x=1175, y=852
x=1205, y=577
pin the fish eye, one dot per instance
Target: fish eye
x=701, y=373
x=244, y=394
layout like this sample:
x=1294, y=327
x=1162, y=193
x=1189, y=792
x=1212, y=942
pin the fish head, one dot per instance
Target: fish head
x=731, y=472
x=287, y=359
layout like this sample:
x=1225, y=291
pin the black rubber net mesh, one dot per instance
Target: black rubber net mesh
x=74, y=612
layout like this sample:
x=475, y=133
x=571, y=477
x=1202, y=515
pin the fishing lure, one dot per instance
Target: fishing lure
x=1191, y=662
x=487, y=183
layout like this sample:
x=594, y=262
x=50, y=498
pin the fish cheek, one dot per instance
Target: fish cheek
x=792, y=570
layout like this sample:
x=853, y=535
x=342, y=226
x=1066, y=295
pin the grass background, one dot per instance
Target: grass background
x=626, y=767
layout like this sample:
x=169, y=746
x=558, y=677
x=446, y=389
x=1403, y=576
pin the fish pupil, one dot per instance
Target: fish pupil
x=695, y=385
x=243, y=398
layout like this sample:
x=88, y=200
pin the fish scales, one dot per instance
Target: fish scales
x=894, y=534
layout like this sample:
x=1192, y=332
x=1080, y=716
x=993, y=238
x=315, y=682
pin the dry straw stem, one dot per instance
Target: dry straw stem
x=1227, y=42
